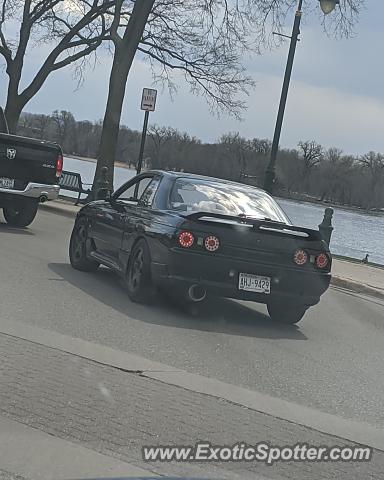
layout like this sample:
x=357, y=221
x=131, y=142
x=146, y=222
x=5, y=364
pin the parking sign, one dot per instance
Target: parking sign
x=148, y=99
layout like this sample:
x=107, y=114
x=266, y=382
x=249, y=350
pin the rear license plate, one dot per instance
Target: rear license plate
x=254, y=283
x=7, y=183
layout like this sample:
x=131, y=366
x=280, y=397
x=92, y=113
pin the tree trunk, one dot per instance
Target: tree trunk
x=14, y=104
x=12, y=114
x=111, y=122
x=125, y=50
x=13, y=108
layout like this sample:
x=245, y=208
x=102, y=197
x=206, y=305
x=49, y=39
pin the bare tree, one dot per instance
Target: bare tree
x=202, y=42
x=42, y=123
x=26, y=124
x=126, y=32
x=374, y=163
x=311, y=155
x=288, y=171
x=65, y=128
x=128, y=146
x=74, y=29
x=331, y=173
x=159, y=137
x=236, y=148
x=334, y=179
x=261, y=146
x=342, y=179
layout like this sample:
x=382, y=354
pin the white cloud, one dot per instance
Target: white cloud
x=354, y=123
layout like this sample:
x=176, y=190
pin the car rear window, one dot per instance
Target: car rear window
x=193, y=195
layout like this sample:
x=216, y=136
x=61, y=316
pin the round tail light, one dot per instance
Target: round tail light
x=321, y=260
x=300, y=257
x=211, y=243
x=186, y=239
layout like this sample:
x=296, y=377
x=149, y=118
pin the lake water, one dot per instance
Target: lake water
x=354, y=235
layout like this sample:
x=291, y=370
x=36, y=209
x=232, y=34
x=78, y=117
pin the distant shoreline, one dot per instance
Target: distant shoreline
x=311, y=201
x=351, y=208
x=94, y=160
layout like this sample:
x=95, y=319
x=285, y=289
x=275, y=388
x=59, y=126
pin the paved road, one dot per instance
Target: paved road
x=333, y=361
x=116, y=413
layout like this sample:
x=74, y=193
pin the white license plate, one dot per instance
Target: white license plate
x=254, y=283
x=7, y=183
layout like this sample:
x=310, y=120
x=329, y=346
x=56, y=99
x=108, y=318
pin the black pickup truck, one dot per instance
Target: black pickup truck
x=30, y=170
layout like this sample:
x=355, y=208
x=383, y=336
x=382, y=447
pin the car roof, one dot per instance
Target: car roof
x=174, y=174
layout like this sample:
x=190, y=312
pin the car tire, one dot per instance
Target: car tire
x=138, y=279
x=77, y=248
x=285, y=313
x=20, y=213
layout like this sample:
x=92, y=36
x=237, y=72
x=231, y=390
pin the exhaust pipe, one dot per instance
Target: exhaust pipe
x=196, y=293
x=43, y=198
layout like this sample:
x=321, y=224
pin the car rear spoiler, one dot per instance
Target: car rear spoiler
x=268, y=225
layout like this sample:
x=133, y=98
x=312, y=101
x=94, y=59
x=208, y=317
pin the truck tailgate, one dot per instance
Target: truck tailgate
x=28, y=160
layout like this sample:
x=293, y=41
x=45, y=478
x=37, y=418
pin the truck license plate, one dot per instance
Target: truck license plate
x=254, y=283
x=7, y=183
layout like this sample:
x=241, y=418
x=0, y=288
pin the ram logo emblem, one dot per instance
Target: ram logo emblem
x=11, y=153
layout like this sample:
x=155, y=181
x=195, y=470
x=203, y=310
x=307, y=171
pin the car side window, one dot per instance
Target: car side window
x=149, y=194
x=137, y=187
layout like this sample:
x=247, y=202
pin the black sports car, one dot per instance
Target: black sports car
x=197, y=236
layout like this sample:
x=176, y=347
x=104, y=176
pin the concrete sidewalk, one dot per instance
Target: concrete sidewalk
x=352, y=275
x=35, y=455
x=61, y=206
x=103, y=409
x=358, y=277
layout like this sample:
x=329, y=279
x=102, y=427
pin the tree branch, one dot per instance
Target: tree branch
x=4, y=49
x=67, y=43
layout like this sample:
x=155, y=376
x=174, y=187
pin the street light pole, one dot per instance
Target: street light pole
x=270, y=173
x=327, y=7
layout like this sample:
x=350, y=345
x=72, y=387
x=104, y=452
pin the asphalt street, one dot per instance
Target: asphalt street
x=332, y=361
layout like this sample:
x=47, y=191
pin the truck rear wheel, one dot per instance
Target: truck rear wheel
x=21, y=212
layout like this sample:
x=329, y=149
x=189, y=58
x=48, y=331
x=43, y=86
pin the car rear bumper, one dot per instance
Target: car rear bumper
x=220, y=276
x=35, y=190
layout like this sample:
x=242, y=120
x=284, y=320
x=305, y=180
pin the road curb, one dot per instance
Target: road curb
x=357, y=261
x=356, y=287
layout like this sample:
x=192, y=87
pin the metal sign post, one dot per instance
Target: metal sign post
x=148, y=103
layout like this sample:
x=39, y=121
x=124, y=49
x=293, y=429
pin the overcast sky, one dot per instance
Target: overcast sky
x=336, y=95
